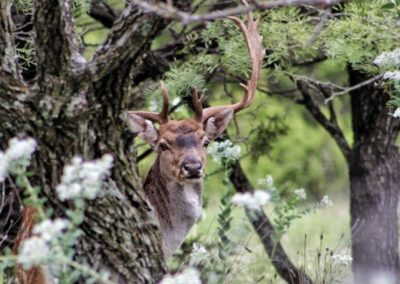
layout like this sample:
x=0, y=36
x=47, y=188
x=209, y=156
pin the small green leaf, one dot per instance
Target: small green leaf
x=397, y=2
x=388, y=5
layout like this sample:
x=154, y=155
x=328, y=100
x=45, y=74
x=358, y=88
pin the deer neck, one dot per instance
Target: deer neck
x=177, y=206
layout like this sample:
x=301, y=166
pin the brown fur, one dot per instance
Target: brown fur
x=36, y=274
x=174, y=183
x=171, y=160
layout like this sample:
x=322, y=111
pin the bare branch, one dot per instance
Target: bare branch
x=168, y=11
x=315, y=82
x=264, y=228
x=318, y=28
x=355, y=87
x=330, y=125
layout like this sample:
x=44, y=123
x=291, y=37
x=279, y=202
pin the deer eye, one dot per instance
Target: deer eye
x=206, y=143
x=163, y=146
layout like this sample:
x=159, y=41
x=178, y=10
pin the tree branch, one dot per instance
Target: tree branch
x=265, y=230
x=56, y=41
x=330, y=125
x=170, y=12
x=102, y=12
x=130, y=35
x=355, y=87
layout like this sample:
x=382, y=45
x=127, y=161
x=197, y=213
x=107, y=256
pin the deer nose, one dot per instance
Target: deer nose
x=192, y=168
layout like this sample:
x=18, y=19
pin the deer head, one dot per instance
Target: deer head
x=181, y=144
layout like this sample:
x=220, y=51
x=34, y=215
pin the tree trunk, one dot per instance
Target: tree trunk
x=74, y=107
x=374, y=183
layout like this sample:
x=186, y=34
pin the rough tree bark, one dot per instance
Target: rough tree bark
x=76, y=107
x=374, y=169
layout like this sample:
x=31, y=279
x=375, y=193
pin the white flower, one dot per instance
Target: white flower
x=301, y=193
x=395, y=75
x=17, y=157
x=224, y=150
x=388, y=58
x=188, y=276
x=34, y=251
x=325, y=201
x=84, y=179
x=395, y=114
x=198, y=254
x=343, y=259
x=268, y=182
x=251, y=201
x=49, y=230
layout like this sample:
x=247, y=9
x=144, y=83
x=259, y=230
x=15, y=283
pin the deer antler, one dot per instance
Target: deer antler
x=161, y=117
x=254, y=45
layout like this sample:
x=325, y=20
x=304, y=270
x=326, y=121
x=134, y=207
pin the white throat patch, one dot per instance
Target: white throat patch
x=193, y=198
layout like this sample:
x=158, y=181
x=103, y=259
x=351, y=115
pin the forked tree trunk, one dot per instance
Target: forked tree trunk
x=374, y=184
x=72, y=108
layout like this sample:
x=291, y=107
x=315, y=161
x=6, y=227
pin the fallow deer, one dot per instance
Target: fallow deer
x=174, y=184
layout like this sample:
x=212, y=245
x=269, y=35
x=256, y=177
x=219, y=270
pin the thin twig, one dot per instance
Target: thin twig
x=352, y=88
x=168, y=11
x=318, y=29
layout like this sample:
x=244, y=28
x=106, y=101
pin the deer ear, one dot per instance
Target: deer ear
x=143, y=128
x=216, y=124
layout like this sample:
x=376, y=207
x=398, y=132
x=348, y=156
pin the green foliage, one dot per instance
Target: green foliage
x=24, y=6
x=266, y=134
x=82, y=6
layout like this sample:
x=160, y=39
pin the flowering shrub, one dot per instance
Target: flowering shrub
x=224, y=151
x=390, y=62
x=252, y=201
x=54, y=239
x=301, y=193
x=388, y=59
x=83, y=179
x=17, y=157
x=189, y=275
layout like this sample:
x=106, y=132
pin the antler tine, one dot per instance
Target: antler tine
x=161, y=117
x=165, y=108
x=254, y=45
x=197, y=106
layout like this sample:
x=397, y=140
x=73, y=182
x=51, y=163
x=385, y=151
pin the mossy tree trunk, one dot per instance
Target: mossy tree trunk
x=74, y=107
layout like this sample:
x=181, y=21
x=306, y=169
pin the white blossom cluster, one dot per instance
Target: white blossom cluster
x=198, y=255
x=84, y=179
x=224, y=150
x=252, y=201
x=49, y=230
x=343, y=259
x=325, y=201
x=388, y=58
x=39, y=249
x=396, y=113
x=392, y=75
x=189, y=275
x=16, y=157
x=301, y=193
x=267, y=182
